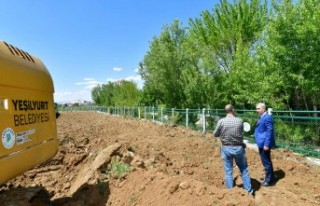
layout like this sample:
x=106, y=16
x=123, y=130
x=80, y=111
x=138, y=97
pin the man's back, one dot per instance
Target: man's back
x=230, y=130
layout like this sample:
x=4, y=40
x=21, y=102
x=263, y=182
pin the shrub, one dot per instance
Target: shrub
x=118, y=169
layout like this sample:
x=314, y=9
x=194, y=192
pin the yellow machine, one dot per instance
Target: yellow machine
x=27, y=112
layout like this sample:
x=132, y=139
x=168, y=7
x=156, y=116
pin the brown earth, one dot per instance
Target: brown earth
x=168, y=166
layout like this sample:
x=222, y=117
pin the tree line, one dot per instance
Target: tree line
x=240, y=52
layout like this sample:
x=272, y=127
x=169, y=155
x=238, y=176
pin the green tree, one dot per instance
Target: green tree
x=103, y=94
x=125, y=93
x=120, y=93
x=199, y=78
x=292, y=50
x=231, y=33
x=163, y=64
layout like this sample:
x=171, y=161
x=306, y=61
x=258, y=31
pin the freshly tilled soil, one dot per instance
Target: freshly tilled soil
x=166, y=165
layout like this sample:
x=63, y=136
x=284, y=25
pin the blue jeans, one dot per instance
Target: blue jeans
x=237, y=153
x=267, y=164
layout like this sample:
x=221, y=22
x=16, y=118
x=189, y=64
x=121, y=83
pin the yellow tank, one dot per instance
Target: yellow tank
x=27, y=112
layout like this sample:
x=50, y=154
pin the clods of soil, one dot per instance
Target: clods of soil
x=106, y=160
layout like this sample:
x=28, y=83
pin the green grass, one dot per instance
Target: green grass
x=118, y=169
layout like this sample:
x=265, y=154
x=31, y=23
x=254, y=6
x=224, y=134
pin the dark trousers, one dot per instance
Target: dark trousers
x=267, y=164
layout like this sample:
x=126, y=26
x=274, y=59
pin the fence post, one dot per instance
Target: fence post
x=145, y=112
x=161, y=109
x=139, y=112
x=152, y=113
x=203, y=120
x=187, y=117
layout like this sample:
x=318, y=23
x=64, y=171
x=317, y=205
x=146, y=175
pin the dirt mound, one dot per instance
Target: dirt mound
x=109, y=160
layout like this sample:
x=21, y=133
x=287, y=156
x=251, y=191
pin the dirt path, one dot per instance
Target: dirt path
x=168, y=166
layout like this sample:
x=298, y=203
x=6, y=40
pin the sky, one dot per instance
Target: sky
x=84, y=43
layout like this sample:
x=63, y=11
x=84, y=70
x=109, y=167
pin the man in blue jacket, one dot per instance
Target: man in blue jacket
x=264, y=136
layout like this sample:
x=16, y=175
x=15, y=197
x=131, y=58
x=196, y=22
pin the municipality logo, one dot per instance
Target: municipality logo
x=8, y=138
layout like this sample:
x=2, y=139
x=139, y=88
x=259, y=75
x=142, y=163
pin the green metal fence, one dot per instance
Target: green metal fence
x=298, y=131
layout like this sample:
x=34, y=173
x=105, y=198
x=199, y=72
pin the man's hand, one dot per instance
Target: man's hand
x=265, y=148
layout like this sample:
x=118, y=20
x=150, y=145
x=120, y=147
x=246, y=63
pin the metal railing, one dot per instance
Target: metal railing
x=298, y=131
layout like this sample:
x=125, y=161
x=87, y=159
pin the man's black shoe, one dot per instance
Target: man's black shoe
x=266, y=184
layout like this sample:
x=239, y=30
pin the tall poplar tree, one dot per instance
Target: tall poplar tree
x=231, y=33
x=163, y=64
x=293, y=47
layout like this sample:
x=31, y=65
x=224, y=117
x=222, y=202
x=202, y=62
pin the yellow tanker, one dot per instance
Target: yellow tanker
x=27, y=112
